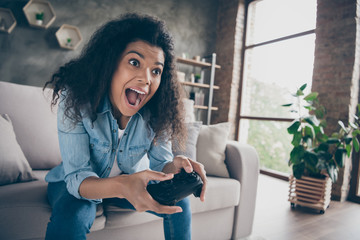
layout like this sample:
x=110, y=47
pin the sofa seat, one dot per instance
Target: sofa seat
x=19, y=202
x=117, y=217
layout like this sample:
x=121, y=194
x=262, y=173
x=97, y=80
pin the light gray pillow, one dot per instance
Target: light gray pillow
x=193, y=129
x=13, y=165
x=211, y=145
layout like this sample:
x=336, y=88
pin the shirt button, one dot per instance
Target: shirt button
x=121, y=151
x=114, y=130
x=113, y=150
x=125, y=134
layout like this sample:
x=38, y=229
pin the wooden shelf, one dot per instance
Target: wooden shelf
x=67, y=32
x=33, y=7
x=201, y=85
x=7, y=20
x=205, y=107
x=195, y=63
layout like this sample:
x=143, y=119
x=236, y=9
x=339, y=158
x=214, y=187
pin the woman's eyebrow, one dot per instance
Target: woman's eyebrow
x=142, y=56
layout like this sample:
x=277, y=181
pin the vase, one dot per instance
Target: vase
x=310, y=192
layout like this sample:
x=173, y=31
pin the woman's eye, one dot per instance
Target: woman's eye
x=134, y=62
x=157, y=71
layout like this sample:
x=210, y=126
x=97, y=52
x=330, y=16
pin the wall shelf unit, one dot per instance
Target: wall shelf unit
x=69, y=37
x=200, y=85
x=35, y=7
x=7, y=20
x=211, y=66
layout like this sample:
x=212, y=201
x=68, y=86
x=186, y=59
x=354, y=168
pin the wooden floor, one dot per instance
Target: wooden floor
x=275, y=220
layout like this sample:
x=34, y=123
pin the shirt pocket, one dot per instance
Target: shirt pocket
x=136, y=153
x=99, y=151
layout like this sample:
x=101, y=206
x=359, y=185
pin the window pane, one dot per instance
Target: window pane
x=271, y=141
x=273, y=72
x=271, y=19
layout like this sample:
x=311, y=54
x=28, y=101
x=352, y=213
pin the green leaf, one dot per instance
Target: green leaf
x=293, y=127
x=297, y=154
x=320, y=112
x=311, y=96
x=298, y=170
x=356, y=144
x=311, y=159
x=348, y=140
x=339, y=156
x=287, y=105
x=333, y=141
x=312, y=120
x=333, y=172
x=302, y=88
x=296, y=139
x=356, y=132
x=299, y=93
x=323, y=147
x=353, y=125
x=348, y=150
x=343, y=126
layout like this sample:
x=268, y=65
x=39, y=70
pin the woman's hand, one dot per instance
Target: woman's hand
x=134, y=190
x=189, y=165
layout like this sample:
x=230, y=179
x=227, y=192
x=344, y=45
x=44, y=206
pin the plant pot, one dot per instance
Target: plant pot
x=310, y=192
x=39, y=22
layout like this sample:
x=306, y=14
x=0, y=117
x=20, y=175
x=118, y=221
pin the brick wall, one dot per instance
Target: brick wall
x=336, y=69
x=229, y=29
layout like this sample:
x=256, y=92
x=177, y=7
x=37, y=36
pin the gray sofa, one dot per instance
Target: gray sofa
x=227, y=213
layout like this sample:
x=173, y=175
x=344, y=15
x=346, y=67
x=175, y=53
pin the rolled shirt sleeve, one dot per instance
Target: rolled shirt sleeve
x=160, y=154
x=74, y=144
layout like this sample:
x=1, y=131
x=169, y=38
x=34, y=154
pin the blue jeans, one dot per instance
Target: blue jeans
x=72, y=218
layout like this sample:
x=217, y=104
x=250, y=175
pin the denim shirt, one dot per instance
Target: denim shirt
x=89, y=148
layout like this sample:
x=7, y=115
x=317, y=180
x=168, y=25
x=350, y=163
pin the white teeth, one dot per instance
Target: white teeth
x=137, y=102
x=135, y=90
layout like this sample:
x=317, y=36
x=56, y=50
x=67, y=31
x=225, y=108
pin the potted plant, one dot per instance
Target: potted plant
x=316, y=156
x=68, y=42
x=198, y=78
x=39, y=18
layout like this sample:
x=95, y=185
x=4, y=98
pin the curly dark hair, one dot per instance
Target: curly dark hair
x=87, y=79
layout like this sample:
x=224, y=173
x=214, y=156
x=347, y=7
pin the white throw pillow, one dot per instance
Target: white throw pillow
x=210, y=148
x=193, y=130
x=13, y=165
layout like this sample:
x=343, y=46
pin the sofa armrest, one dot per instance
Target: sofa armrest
x=243, y=164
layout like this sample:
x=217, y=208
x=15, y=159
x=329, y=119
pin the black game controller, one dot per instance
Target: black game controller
x=171, y=191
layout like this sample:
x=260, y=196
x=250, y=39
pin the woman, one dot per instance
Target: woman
x=118, y=110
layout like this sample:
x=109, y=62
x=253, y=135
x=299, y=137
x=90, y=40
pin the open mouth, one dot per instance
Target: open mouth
x=134, y=96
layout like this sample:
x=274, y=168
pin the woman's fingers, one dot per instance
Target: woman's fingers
x=158, y=176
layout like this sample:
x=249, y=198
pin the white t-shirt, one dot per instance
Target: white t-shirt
x=115, y=170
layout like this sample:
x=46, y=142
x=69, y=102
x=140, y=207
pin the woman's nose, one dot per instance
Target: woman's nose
x=146, y=76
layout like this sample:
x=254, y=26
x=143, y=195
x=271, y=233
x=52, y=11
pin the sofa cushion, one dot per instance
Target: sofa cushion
x=189, y=151
x=211, y=147
x=27, y=210
x=118, y=217
x=34, y=123
x=13, y=165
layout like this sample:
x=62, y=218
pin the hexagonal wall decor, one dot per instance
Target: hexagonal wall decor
x=68, y=36
x=39, y=13
x=7, y=20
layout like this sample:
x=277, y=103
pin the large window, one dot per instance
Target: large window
x=278, y=59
